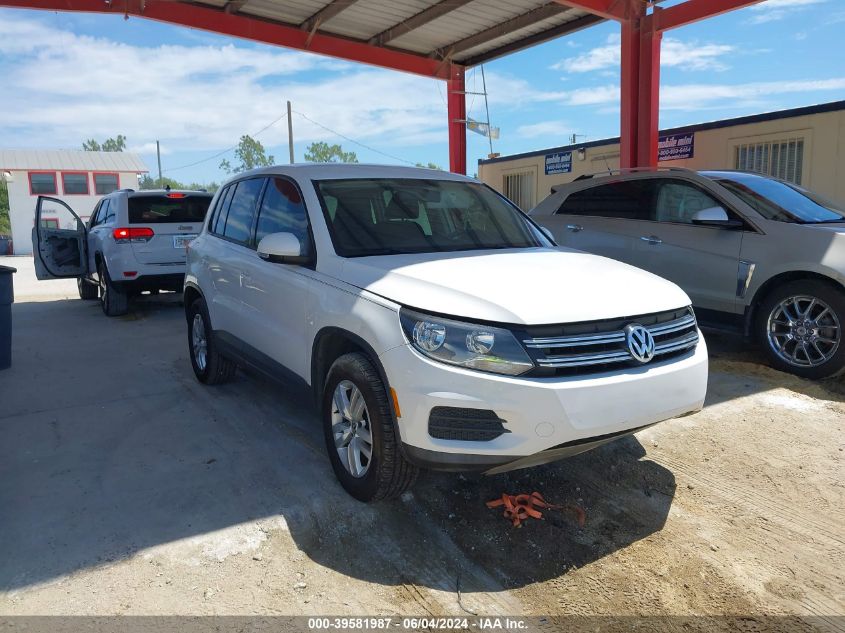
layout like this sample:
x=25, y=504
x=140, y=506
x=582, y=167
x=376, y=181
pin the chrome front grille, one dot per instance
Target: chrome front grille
x=600, y=343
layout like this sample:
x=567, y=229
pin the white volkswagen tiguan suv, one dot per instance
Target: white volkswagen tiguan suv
x=435, y=323
x=134, y=241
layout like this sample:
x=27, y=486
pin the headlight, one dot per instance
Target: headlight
x=470, y=345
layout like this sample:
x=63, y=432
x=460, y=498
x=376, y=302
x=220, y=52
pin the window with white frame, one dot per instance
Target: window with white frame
x=519, y=189
x=782, y=158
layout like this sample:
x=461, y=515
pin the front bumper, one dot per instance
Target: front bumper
x=562, y=416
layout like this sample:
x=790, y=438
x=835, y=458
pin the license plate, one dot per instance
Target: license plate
x=181, y=241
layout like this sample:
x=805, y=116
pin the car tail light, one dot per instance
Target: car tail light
x=130, y=273
x=132, y=234
x=175, y=195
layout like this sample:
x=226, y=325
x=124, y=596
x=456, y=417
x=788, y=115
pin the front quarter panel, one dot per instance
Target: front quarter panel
x=789, y=248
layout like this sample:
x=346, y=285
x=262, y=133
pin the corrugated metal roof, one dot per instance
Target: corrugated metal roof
x=70, y=159
x=462, y=31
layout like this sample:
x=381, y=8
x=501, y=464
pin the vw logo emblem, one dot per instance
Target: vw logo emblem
x=640, y=342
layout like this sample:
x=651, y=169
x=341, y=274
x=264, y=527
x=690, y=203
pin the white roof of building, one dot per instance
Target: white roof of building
x=70, y=159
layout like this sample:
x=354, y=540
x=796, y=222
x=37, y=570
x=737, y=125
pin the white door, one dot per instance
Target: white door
x=230, y=252
x=59, y=241
x=276, y=295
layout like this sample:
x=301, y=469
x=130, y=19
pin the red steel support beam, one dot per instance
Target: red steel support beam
x=630, y=85
x=248, y=27
x=694, y=11
x=457, y=111
x=640, y=95
x=608, y=9
x=648, y=108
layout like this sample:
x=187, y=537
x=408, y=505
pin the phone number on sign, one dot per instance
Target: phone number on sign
x=386, y=623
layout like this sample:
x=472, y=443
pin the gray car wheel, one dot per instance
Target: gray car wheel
x=800, y=325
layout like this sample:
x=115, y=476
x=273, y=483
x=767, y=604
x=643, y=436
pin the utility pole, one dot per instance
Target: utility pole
x=487, y=108
x=158, y=156
x=290, y=134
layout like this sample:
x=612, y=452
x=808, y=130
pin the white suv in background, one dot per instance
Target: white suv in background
x=435, y=323
x=133, y=242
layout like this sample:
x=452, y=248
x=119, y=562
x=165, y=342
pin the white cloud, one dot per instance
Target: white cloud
x=67, y=87
x=543, y=128
x=772, y=10
x=148, y=148
x=674, y=53
x=707, y=96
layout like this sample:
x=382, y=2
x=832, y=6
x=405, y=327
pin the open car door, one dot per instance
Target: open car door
x=59, y=241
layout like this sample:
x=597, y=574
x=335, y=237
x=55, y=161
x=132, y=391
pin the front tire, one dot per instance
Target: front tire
x=360, y=435
x=799, y=325
x=114, y=302
x=87, y=291
x=210, y=366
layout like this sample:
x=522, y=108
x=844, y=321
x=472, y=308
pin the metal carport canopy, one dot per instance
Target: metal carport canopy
x=439, y=39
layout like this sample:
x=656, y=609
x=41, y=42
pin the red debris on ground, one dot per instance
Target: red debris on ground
x=518, y=508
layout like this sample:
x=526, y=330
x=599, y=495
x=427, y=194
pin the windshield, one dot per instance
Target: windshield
x=388, y=216
x=780, y=201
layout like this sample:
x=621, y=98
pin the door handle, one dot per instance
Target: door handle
x=651, y=239
x=575, y=228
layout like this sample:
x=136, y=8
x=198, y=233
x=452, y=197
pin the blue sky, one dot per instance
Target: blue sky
x=68, y=77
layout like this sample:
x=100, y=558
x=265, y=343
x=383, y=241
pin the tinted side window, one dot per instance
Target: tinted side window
x=627, y=199
x=679, y=201
x=110, y=209
x=218, y=220
x=238, y=226
x=102, y=212
x=282, y=211
x=95, y=216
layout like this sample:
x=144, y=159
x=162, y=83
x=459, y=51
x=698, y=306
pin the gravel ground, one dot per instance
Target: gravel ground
x=127, y=488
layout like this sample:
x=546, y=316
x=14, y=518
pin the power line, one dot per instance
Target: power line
x=352, y=140
x=226, y=151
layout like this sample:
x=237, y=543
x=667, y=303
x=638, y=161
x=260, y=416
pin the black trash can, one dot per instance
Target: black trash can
x=7, y=296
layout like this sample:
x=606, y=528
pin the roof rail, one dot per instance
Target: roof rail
x=127, y=190
x=629, y=170
x=620, y=171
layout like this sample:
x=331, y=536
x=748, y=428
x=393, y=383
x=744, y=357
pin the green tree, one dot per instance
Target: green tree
x=5, y=222
x=321, y=152
x=147, y=182
x=117, y=144
x=250, y=153
x=430, y=166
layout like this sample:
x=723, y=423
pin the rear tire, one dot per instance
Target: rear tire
x=114, y=302
x=88, y=291
x=800, y=325
x=210, y=366
x=365, y=425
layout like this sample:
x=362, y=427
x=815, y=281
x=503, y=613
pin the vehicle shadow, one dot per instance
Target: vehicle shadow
x=623, y=497
x=109, y=448
x=738, y=368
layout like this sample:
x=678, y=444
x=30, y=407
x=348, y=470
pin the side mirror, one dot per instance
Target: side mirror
x=281, y=248
x=715, y=216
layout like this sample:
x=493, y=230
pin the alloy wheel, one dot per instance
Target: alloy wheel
x=104, y=288
x=199, y=344
x=351, y=429
x=804, y=331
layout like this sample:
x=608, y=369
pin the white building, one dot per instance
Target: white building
x=77, y=177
